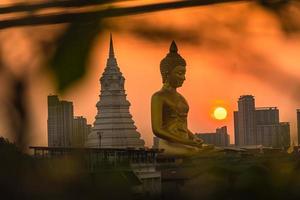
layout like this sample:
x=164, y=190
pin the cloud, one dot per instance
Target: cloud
x=231, y=34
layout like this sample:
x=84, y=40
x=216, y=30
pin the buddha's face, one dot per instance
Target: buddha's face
x=177, y=76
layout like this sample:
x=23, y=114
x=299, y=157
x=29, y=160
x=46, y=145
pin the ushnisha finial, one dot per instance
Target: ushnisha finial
x=111, y=48
x=173, y=47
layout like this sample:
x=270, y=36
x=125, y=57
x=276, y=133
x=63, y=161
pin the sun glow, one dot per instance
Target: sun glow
x=220, y=113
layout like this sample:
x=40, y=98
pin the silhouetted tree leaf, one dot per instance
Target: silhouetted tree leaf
x=73, y=47
x=273, y=4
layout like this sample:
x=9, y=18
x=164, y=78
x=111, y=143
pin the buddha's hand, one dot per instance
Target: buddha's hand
x=195, y=139
x=194, y=143
x=198, y=140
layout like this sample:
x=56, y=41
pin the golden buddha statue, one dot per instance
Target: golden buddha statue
x=169, y=109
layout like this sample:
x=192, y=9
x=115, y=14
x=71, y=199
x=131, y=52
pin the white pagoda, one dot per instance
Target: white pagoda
x=113, y=126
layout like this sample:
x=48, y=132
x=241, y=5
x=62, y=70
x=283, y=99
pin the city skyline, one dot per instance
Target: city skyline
x=64, y=129
x=260, y=118
x=216, y=74
x=259, y=125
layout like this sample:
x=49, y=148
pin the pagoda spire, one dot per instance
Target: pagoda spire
x=111, y=48
x=113, y=126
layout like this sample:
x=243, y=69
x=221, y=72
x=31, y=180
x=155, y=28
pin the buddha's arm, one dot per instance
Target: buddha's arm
x=156, y=121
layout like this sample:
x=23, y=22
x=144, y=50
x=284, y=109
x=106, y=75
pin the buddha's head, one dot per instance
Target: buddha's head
x=172, y=68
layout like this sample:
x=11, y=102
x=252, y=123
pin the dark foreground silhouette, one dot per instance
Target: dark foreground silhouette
x=212, y=177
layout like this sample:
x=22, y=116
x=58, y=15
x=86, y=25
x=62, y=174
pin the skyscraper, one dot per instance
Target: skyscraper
x=60, y=122
x=218, y=138
x=80, y=131
x=259, y=126
x=284, y=139
x=236, y=128
x=245, y=122
x=113, y=127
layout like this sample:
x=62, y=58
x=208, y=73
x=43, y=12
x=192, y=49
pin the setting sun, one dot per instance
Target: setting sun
x=220, y=113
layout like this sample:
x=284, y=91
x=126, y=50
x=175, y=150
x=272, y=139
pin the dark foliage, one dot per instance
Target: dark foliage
x=72, y=52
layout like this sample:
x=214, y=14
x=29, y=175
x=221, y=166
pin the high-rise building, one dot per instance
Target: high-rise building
x=259, y=126
x=113, y=127
x=80, y=131
x=246, y=126
x=236, y=129
x=284, y=139
x=266, y=115
x=298, y=126
x=218, y=138
x=222, y=136
x=60, y=122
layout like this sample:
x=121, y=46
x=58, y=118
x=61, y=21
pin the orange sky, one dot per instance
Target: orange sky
x=230, y=49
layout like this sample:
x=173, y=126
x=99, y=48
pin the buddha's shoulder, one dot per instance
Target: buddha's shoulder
x=161, y=94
